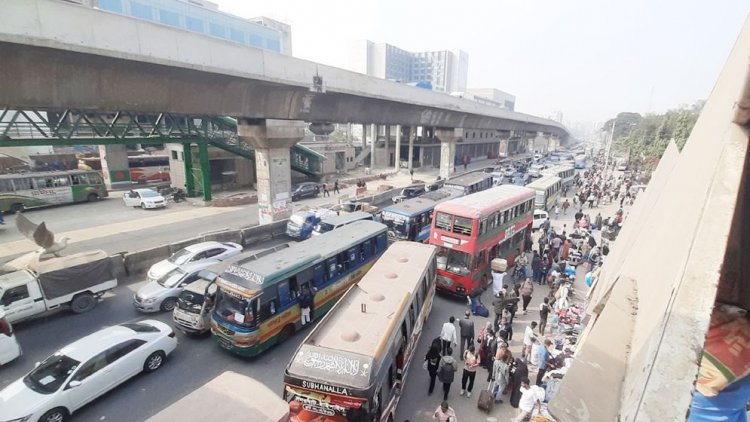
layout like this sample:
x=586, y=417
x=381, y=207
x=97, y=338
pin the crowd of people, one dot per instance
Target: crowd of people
x=528, y=379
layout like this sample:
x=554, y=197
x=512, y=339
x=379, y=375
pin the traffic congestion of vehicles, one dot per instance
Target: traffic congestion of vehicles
x=253, y=302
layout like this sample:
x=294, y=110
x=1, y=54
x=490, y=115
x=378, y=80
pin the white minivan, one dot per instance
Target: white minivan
x=9, y=348
x=539, y=217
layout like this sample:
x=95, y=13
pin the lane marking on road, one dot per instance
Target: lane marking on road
x=22, y=246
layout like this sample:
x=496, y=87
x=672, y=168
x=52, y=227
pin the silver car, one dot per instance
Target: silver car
x=161, y=294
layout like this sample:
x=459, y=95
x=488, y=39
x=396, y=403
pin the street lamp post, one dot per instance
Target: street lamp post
x=606, y=150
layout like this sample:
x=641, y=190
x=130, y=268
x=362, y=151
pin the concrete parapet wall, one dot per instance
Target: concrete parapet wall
x=138, y=262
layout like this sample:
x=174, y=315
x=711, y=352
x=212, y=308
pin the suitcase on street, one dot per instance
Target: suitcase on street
x=486, y=401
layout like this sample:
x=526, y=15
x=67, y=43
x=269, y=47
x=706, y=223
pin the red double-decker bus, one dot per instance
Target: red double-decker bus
x=472, y=230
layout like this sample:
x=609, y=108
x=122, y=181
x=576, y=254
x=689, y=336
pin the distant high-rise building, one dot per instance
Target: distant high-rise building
x=203, y=17
x=445, y=70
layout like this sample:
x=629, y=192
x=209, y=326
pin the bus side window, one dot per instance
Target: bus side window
x=343, y=262
x=332, y=270
x=319, y=276
x=267, y=309
x=412, y=316
x=352, y=257
x=367, y=248
x=285, y=294
x=382, y=242
x=6, y=186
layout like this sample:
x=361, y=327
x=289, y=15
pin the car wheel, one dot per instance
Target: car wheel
x=285, y=334
x=92, y=197
x=143, y=206
x=82, y=302
x=154, y=361
x=57, y=414
x=168, y=304
x=15, y=208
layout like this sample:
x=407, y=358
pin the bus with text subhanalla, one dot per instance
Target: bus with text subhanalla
x=472, y=230
x=547, y=190
x=354, y=363
x=470, y=182
x=31, y=190
x=412, y=219
x=566, y=173
x=257, y=302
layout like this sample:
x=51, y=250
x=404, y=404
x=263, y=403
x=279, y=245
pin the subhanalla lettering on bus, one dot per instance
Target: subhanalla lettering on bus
x=244, y=274
x=342, y=391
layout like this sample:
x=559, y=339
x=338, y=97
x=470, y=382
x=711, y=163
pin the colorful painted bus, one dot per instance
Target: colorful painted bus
x=547, y=192
x=353, y=365
x=566, y=173
x=32, y=190
x=257, y=302
x=412, y=218
x=472, y=230
x=470, y=182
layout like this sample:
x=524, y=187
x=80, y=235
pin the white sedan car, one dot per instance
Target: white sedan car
x=218, y=251
x=144, y=198
x=85, y=369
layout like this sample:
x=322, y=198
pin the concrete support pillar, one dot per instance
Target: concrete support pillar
x=448, y=138
x=373, y=140
x=271, y=140
x=412, y=137
x=398, y=148
x=387, y=150
x=205, y=170
x=115, y=166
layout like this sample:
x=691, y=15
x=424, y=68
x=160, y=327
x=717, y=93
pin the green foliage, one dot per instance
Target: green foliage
x=644, y=138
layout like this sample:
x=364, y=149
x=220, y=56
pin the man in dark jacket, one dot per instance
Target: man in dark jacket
x=466, y=325
x=536, y=267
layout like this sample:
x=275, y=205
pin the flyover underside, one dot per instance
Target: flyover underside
x=39, y=77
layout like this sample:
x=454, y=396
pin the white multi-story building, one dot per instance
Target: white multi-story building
x=445, y=70
x=493, y=97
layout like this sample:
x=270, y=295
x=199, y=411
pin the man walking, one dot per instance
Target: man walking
x=565, y=206
x=542, y=357
x=527, y=289
x=446, y=372
x=325, y=191
x=467, y=332
x=536, y=267
x=528, y=334
x=448, y=335
x=336, y=187
x=543, y=314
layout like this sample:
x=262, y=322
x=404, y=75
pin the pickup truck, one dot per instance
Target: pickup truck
x=356, y=206
x=74, y=281
x=301, y=223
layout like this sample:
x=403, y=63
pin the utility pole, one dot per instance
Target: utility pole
x=606, y=150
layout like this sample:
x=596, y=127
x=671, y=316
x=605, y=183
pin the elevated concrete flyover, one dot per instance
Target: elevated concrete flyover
x=58, y=55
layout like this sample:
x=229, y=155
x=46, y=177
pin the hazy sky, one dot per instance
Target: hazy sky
x=587, y=58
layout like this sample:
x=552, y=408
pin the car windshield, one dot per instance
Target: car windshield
x=180, y=257
x=148, y=194
x=190, y=302
x=51, y=374
x=323, y=227
x=140, y=327
x=171, y=278
x=234, y=310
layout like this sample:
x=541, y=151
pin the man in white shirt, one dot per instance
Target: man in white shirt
x=528, y=334
x=497, y=282
x=448, y=335
x=530, y=397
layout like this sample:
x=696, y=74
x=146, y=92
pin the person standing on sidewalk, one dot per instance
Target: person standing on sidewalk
x=527, y=289
x=448, y=335
x=445, y=413
x=543, y=314
x=528, y=334
x=536, y=265
x=542, y=359
x=447, y=371
x=336, y=187
x=433, y=359
x=565, y=206
x=466, y=326
x=471, y=362
x=325, y=190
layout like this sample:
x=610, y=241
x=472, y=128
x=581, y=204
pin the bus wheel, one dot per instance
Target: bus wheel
x=14, y=208
x=92, y=197
x=285, y=334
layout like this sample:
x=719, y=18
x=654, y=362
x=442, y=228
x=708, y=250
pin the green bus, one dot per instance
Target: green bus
x=257, y=301
x=32, y=190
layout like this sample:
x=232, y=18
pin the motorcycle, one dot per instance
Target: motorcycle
x=173, y=194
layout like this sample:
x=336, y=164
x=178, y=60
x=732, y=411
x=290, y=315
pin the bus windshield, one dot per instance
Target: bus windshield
x=454, y=261
x=234, y=309
x=396, y=224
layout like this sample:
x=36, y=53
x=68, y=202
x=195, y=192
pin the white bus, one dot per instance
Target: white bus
x=230, y=397
x=547, y=192
x=353, y=365
x=565, y=173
